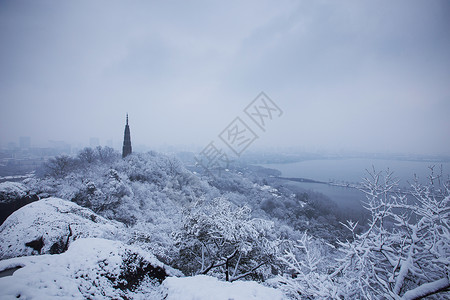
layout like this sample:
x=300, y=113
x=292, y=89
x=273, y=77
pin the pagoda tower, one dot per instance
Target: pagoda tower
x=126, y=150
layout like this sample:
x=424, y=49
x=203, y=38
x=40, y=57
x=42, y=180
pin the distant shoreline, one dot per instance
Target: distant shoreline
x=305, y=180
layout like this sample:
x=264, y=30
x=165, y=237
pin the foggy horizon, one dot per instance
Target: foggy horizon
x=348, y=76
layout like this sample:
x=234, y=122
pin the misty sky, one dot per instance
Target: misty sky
x=349, y=75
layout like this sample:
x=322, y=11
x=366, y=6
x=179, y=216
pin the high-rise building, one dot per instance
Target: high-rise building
x=126, y=150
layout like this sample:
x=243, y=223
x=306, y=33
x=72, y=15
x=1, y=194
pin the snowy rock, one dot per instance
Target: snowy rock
x=203, y=287
x=90, y=269
x=49, y=225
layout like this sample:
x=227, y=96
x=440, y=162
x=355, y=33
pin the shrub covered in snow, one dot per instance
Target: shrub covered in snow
x=10, y=191
x=141, y=187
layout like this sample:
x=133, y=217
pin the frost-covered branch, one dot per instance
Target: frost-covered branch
x=428, y=289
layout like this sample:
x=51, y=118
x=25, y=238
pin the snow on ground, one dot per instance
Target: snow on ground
x=50, y=219
x=91, y=268
x=12, y=190
x=203, y=287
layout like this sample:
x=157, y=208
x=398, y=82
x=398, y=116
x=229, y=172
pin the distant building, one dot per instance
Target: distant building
x=126, y=150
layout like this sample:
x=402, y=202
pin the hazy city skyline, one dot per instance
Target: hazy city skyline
x=348, y=75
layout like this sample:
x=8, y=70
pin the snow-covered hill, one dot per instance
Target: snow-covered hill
x=49, y=224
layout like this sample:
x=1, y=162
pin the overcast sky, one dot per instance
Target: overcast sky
x=349, y=75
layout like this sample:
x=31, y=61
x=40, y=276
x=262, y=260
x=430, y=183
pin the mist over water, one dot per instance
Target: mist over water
x=353, y=170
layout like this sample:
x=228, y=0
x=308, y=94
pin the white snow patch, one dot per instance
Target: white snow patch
x=204, y=287
x=266, y=187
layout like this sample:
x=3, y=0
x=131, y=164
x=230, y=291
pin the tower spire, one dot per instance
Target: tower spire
x=126, y=149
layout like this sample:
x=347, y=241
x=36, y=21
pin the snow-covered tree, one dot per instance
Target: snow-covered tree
x=404, y=253
x=306, y=277
x=58, y=167
x=218, y=236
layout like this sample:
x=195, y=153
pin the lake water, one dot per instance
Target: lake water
x=352, y=170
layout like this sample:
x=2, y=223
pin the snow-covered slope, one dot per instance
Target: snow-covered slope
x=45, y=224
x=203, y=287
x=90, y=269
